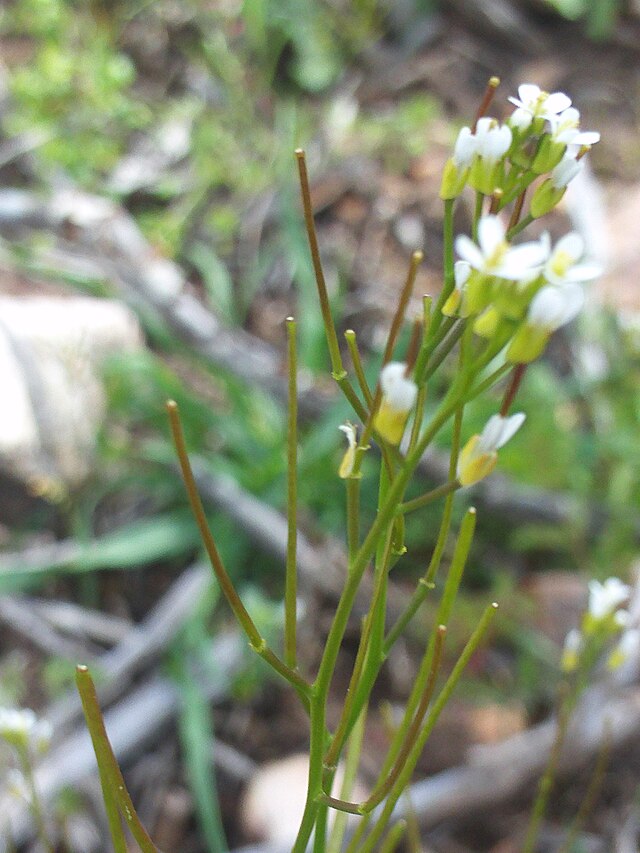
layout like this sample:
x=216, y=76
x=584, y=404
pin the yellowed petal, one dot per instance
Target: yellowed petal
x=390, y=423
x=474, y=466
x=346, y=466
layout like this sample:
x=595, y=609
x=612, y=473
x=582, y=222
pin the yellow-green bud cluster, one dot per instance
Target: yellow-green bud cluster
x=606, y=629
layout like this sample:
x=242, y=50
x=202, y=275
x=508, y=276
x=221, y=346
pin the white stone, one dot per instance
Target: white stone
x=51, y=353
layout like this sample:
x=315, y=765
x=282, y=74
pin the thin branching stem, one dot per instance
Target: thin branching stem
x=443, y=697
x=352, y=343
x=325, y=307
x=107, y=762
x=257, y=641
x=290, y=594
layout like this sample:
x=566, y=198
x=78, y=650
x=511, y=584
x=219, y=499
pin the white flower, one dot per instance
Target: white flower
x=573, y=643
x=565, y=129
x=398, y=389
x=533, y=101
x=605, y=597
x=23, y=729
x=493, y=140
x=461, y=273
x=563, y=267
x=464, y=149
x=479, y=456
x=399, y=394
x=565, y=171
x=495, y=257
x=498, y=431
x=17, y=786
x=520, y=119
x=553, y=307
x=346, y=466
x=628, y=648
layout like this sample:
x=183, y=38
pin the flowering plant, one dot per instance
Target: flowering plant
x=499, y=304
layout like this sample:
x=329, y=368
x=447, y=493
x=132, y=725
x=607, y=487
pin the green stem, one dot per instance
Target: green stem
x=587, y=804
x=445, y=348
x=428, y=497
x=350, y=337
x=353, y=515
x=548, y=777
x=388, y=780
x=443, y=615
x=36, y=805
x=448, y=266
x=258, y=643
x=314, y=784
x=354, y=748
x=409, y=766
x=290, y=594
x=477, y=213
x=513, y=232
x=107, y=762
x=398, y=317
x=325, y=307
x=394, y=837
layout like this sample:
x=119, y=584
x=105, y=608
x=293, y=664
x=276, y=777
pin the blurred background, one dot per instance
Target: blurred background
x=151, y=245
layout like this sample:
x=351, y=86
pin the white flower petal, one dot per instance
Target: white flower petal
x=399, y=390
x=468, y=251
x=491, y=233
x=583, y=272
x=490, y=435
x=586, y=137
x=553, y=307
x=498, y=431
x=461, y=272
x=605, y=597
x=510, y=427
x=572, y=244
x=523, y=261
x=557, y=102
x=520, y=118
x=565, y=171
x=464, y=148
x=529, y=93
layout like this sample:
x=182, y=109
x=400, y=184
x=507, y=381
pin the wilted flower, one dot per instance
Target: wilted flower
x=346, y=466
x=479, y=456
x=399, y=394
x=461, y=272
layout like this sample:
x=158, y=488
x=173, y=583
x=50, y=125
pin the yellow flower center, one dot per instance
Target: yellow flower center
x=561, y=262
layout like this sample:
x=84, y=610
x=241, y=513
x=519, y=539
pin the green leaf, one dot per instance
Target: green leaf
x=140, y=543
x=197, y=736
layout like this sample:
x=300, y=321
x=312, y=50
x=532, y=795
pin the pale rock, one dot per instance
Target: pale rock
x=273, y=802
x=51, y=353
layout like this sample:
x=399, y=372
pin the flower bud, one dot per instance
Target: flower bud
x=398, y=399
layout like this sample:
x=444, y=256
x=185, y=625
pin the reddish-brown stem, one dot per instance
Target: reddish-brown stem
x=512, y=388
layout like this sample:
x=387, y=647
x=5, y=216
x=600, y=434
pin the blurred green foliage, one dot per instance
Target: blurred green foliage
x=600, y=15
